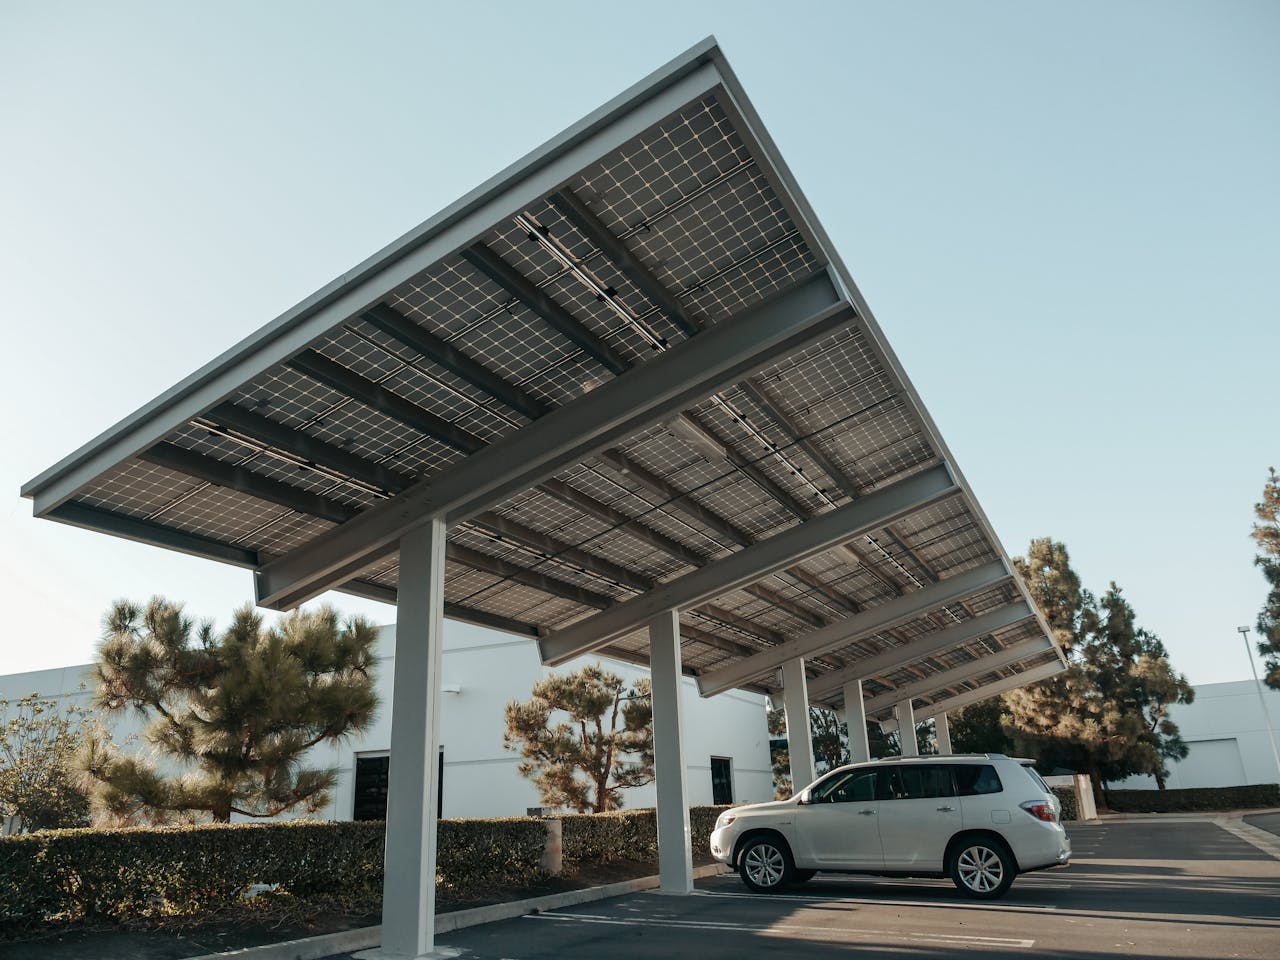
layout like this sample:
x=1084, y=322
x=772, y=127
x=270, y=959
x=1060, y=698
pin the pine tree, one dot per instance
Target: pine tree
x=1107, y=713
x=584, y=762
x=1135, y=679
x=1266, y=533
x=977, y=728
x=232, y=714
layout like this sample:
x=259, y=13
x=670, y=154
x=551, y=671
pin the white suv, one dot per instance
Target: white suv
x=980, y=819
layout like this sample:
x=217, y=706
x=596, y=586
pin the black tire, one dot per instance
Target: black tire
x=982, y=868
x=802, y=876
x=765, y=864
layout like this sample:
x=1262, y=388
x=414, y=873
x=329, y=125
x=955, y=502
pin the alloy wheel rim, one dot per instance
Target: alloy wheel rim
x=764, y=865
x=981, y=869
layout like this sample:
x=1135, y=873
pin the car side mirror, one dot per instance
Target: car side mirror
x=805, y=797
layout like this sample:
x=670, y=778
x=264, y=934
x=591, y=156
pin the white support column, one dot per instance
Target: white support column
x=795, y=704
x=409, y=889
x=942, y=730
x=907, y=728
x=856, y=718
x=675, y=853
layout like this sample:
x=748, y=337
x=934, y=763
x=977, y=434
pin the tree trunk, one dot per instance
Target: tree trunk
x=1095, y=781
x=1160, y=779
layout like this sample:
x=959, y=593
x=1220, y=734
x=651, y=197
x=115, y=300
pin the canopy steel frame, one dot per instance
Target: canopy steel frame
x=645, y=395
x=1022, y=650
x=752, y=563
x=936, y=641
x=866, y=624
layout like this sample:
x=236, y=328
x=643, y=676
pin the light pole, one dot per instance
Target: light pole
x=1266, y=717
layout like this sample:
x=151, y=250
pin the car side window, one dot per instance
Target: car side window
x=975, y=779
x=856, y=786
x=917, y=781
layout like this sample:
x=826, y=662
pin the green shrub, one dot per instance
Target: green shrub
x=628, y=834
x=162, y=871
x=499, y=852
x=1070, y=809
x=602, y=837
x=141, y=872
x=1195, y=799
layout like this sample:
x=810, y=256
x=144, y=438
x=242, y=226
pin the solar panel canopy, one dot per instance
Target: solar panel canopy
x=633, y=375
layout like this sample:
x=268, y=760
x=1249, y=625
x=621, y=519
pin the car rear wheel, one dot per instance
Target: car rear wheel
x=766, y=864
x=982, y=868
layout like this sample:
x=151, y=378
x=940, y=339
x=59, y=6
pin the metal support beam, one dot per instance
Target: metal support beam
x=418, y=338
x=949, y=678
x=907, y=728
x=855, y=718
x=1025, y=678
x=942, y=731
x=409, y=889
x=530, y=578
x=234, y=477
x=147, y=531
x=577, y=213
x=346, y=381
x=866, y=624
x=551, y=546
x=306, y=447
x=618, y=408
x=536, y=299
x=926, y=645
x=675, y=853
x=751, y=563
x=795, y=705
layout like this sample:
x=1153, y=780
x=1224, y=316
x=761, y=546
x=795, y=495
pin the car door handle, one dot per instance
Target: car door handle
x=866, y=813
x=945, y=809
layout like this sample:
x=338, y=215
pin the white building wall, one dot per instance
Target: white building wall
x=489, y=669
x=1227, y=736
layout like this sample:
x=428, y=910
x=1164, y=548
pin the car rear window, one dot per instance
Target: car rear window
x=1037, y=778
x=975, y=779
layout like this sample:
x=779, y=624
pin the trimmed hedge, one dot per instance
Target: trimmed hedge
x=166, y=871
x=1194, y=799
x=628, y=834
x=160, y=871
x=1070, y=809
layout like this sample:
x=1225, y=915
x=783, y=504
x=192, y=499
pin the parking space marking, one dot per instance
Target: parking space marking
x=823, y=933
x=881, y=901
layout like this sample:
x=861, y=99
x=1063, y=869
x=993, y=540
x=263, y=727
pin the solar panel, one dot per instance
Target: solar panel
x=528, y=313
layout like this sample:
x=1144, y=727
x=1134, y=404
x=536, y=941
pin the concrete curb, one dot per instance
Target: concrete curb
x=1183, y=815
x=1264, y=840
x=363, y=938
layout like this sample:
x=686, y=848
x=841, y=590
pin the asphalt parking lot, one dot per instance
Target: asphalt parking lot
x=1151, y=888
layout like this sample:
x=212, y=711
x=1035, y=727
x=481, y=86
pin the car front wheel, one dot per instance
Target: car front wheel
x=766, y=865
x=982, y=868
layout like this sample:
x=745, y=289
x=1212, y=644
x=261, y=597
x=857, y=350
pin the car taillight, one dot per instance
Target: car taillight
x=726, y=819
x=1041, y=810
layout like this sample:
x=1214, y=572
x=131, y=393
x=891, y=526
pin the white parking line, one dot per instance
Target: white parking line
x=784, y=930
x=817, y=897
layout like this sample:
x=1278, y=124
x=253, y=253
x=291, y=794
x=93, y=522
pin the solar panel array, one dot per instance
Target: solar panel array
x=544, y=312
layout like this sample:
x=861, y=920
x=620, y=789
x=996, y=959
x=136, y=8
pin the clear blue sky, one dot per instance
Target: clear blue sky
x=1065, y=217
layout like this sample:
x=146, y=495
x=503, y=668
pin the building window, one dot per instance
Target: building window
x=721, y=780
x=371, y=787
